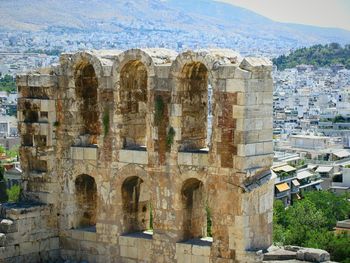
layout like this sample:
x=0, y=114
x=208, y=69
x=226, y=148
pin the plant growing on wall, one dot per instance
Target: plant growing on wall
x=209, y=220
x=170, y=137
x=159, y=110
x=105, y=121
x=14, y=193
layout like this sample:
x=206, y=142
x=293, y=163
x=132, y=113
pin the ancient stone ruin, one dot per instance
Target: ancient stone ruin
x=144, y=156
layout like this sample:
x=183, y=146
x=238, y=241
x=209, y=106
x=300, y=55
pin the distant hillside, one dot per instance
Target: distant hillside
x=317, y=55
x=195, y=17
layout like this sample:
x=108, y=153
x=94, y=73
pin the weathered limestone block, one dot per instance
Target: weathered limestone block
x=7, y=226
x=312, y=255
x=9, y=251
x=2, y=239
x=133, y=156
x=21, y=80
x=90, y=153
x=38, y=80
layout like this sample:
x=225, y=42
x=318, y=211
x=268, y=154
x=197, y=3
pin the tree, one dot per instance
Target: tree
x=310, y=222
x=339, y=247
x=316, y=55
x=334, y=207
x=279, y=222
x=303, y=220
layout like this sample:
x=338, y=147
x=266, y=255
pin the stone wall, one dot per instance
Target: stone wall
x=134, y=125
x=29, y=233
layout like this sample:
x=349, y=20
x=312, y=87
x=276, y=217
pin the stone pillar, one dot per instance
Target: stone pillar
x=37, y=124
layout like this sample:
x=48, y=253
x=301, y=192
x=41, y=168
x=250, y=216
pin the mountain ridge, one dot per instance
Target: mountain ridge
x=203, y=17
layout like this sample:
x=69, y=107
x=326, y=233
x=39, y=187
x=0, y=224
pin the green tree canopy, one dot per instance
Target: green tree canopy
x=310, y=222
x=317, y=55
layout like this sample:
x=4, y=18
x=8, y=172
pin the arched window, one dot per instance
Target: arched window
x=86, y=92
x=86, y=200
x=194, y=95
x=133, y=104
x=194, y=209
x=136, y=205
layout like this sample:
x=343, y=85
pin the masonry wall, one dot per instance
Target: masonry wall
x=136, y=136
x=29, y=233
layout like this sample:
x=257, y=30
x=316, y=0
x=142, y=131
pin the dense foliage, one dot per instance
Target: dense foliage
x=310, y=222
x=8, y=83
x=317, y=55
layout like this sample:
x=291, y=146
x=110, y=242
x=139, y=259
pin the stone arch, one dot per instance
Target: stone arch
x=194, y=214
x=134, y=72
x=193, y=82
x=86, y=201
x=88, y=58
x=134, y=198
x=87, y=73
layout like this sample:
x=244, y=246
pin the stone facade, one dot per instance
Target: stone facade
x=117, y=143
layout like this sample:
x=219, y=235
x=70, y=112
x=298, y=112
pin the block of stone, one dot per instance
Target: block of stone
x=280, y=254
x=7, y=226
x=2, y=239
x=140, y=157
x=313, y=255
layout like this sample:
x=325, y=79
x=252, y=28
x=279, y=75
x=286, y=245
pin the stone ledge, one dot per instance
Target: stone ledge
x=83, y=153
x=22, y=210
x=136, y=246
x=133, y=156
x=295, y=254
x=194, y=159
x=194, y=250
x=83, y=234
x=41, y=80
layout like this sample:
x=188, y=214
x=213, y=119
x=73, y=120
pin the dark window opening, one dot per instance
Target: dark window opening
x=133, y=105
x=86, y=199
x=136, y=205
x=195, y=95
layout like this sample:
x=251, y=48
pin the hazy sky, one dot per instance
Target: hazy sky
x=326, y=13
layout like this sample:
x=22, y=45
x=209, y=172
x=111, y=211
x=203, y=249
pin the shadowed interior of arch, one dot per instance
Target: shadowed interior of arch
x=136, y=199
x=133, y=104
x=86, y=85
x=195, y=95
x=86, y=201
x=195, y=210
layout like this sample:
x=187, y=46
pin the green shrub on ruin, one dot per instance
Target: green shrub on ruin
x=14, y=193
x=106, y=121
x=170, y=137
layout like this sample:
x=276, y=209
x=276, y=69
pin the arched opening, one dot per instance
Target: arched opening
x=133, y=104
x=86, y=201
x=194, y=210
x=195, y=95
x=136, y=205
x=86, y=85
